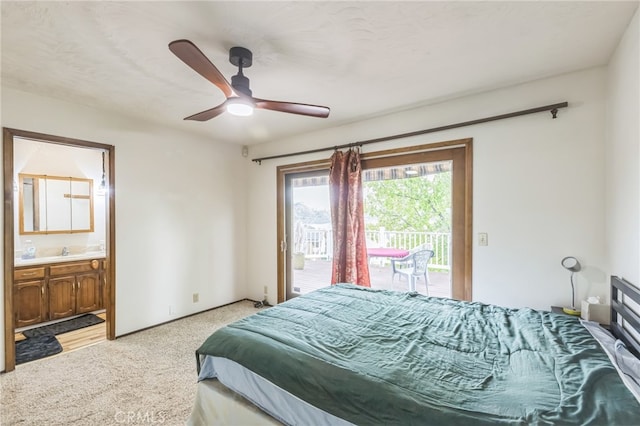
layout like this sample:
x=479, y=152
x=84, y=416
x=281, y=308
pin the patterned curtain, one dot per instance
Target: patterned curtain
x=350, y=263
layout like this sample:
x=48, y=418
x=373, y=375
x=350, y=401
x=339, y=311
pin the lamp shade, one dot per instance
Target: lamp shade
x=571, y=264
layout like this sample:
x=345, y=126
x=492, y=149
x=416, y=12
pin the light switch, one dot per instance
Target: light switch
x=483, y=239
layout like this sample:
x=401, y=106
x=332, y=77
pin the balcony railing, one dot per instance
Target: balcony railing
x=318, y=243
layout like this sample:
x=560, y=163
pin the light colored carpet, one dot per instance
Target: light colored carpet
x=147, y=377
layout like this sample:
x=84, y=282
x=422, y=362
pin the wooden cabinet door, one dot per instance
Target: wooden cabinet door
x=28, y=301
x=62, y=300
x=88, y=295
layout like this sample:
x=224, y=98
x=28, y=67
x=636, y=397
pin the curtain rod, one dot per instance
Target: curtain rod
x=553, y=108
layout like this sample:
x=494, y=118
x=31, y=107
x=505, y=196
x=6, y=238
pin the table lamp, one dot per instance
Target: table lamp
x=570, y=263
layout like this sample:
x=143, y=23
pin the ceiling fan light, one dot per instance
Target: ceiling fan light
x=239, y=107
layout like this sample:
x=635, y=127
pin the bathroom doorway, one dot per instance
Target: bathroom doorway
x=79, y=242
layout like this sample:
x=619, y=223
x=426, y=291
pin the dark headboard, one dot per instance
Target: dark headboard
x=622, y=317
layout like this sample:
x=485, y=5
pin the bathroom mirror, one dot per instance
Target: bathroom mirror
x=55, y=204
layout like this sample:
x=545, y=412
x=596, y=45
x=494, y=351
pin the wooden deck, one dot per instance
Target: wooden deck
x=317, y=273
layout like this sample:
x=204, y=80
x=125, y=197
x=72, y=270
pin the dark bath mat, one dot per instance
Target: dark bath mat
x=64, y=326
x=38, y=347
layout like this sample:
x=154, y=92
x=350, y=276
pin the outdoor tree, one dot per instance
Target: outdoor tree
x=420, y=204
x=305, y=214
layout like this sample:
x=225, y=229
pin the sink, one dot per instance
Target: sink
x=55, y=259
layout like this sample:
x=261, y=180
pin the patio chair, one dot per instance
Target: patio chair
x=413, y=266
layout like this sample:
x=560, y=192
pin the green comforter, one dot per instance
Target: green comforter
x=382, y=357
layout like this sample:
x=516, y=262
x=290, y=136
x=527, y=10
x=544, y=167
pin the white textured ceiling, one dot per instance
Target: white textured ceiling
x=361, y=59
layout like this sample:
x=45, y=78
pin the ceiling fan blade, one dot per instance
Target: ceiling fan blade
x=192, y=56
x=293, y=108
x=208, y=114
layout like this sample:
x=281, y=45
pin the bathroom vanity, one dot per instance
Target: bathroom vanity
x=55, y=287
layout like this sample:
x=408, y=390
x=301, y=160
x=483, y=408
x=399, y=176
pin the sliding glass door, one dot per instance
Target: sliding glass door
x=413, y=202
x=408, y=227
x=308, y=229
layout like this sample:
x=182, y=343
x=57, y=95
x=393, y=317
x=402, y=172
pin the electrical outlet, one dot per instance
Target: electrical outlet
x=483, y=239
x=196, y=297
x=171, y=310
x=266, y=290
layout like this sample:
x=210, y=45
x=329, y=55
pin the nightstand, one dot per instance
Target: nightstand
x=558, y=310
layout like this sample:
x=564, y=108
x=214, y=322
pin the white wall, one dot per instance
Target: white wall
x=180, y=223
x=538, y=187
x=623, y=156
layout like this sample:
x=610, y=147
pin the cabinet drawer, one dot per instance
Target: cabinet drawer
x=28, y=273
x=70, y=268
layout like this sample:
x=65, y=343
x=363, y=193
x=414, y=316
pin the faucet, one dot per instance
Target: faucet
x=65, y=251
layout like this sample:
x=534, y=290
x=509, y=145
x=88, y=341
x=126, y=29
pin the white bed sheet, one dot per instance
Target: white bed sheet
x=280, y=404
x=625, y=362
x=215, y=404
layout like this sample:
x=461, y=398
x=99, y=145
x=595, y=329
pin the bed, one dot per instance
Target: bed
x=351, y=355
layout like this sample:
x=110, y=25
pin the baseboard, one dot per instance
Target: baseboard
x=183, y=317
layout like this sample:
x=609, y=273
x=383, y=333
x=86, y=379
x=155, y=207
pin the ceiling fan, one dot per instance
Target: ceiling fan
x=239, y=98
